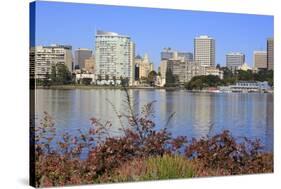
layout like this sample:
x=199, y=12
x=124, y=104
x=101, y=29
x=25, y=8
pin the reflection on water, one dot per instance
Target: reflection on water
x=196, y=114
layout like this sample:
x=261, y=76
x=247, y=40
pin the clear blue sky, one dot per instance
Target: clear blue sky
x=151, y=29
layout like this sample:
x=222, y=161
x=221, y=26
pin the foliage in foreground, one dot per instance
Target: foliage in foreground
x=152, y=168
x=157, y=153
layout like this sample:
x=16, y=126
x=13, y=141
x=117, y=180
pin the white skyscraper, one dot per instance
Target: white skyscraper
x=204, y=51
x=114, y=57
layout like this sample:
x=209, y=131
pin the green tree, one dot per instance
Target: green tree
x=170, y=79
x=151, y=77
x=99, y=77
x=106, y=77
x=63, y=75
x=53, y=74
x=114, y=79
x=245, y=75
x=87, y=81
x=46, y=80
x=124, y=81
x=200, y=82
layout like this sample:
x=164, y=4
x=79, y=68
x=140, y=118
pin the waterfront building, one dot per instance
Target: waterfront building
x=204, y=50
x=114, y=58
x=260, y=60
x=247, y=86
x=185, y=70
x=80, y=55
x=194, y=69
x=213, y=71
x=80, y=76
x=42, y=58
x=270, y=53
x=178, y=68
x=89, y=65
x=234, y=60
x=168, y=54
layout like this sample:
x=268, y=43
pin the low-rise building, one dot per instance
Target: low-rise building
x=214, y=71
x=247, y=86
x=80, y=76
x=42, y=58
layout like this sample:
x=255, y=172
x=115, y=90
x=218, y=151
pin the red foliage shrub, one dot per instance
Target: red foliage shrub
x=222, y=153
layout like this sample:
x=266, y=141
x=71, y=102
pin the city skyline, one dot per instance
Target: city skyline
x=174, y=28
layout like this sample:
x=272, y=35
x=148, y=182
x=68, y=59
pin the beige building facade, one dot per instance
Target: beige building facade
x=204, y=50
x=270, y=53
x=42, y=58
x=89, y=65
x=260, y=59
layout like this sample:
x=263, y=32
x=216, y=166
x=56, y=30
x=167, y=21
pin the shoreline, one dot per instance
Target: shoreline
x=90, y=87
x=103, y=87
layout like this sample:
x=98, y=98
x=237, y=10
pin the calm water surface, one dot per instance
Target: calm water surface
x=196, y=114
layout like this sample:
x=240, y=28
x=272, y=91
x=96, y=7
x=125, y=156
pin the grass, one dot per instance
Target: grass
x=168, y=167
x=153, y=168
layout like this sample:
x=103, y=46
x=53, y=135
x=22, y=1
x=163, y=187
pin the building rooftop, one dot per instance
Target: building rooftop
x=105, y=33
x=235, y=53
x=203, y=37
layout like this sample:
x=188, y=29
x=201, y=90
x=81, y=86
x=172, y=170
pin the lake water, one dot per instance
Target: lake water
x=196, y=114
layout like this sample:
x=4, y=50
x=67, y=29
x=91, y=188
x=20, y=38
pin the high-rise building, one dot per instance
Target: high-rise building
x=270, y=53
x=204, y=50
x=234, y=60
x=80, y=55
x=42, y=58
x=89, y=64
x=260, y=59
x=114, y=57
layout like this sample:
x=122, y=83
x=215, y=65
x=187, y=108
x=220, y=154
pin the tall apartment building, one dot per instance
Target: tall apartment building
x=80, y=55
x=234, y=60
x=204, y=50
x=270, y=53
x=42, y=58
x=260, y=59
x=114, y=57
